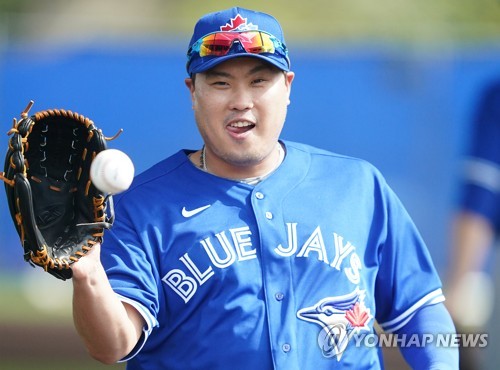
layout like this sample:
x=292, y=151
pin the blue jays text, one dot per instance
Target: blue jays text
x=185, y=282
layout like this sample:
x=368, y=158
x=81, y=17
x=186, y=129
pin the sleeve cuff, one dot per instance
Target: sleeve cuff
x=151, y=323
x=431, y=298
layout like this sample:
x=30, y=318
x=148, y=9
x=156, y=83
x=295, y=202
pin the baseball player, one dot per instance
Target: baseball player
x=253, y=252
x=476, y=223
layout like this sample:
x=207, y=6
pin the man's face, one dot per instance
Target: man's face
x=240, y=107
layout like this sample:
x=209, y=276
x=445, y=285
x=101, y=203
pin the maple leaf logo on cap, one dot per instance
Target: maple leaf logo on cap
x=238, y=23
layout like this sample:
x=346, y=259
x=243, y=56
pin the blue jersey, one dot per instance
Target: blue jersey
x=278, y=275
x=481, y=190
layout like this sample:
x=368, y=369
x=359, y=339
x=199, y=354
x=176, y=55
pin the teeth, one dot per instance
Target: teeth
x=241, y=124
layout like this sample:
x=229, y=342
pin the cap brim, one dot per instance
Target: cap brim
x=199, y=65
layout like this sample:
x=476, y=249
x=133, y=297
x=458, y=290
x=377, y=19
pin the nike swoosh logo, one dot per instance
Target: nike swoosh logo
x=193, y=212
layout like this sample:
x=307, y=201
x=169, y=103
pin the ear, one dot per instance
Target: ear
x=189, y=82
x=289, y=76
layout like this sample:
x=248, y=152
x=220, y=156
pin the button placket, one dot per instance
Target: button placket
x=280, y=339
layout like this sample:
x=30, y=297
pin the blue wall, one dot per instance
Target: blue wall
x=407, y=112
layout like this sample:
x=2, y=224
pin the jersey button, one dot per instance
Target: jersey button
x=269, y=215
x=286, y=347
x=259, y=195
x=279, y=296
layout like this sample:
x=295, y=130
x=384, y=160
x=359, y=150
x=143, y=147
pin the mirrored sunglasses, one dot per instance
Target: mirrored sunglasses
x=220, y=43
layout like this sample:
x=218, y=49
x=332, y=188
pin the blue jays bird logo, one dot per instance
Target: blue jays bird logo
x=340, y=317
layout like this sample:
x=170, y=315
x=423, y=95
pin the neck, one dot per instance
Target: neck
x=256, y=177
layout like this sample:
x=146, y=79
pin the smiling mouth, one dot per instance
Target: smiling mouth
x=240, y=127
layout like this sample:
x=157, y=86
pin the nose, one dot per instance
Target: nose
x=242, y=99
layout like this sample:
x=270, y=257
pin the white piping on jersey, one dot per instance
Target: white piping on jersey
x=150, y=320
x=433, y=297
x=483, y=173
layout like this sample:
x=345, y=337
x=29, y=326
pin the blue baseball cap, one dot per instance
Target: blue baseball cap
x=236, y=20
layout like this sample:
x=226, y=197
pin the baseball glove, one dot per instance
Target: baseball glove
x=58, y=213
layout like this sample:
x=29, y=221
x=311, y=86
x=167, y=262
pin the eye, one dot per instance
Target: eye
x=258, y=81
x=329, y=312
x=219, y=84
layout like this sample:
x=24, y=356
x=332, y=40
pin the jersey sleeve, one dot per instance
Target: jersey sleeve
x=407, y=279
x=434, y=321
x=131, y=274
x=480, y=191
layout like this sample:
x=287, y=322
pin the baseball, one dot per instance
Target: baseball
x=112, y=171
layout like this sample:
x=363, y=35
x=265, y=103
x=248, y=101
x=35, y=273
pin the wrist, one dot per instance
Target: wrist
x=87, y=271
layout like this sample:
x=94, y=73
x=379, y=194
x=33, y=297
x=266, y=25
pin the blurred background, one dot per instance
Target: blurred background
x=393, y=82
